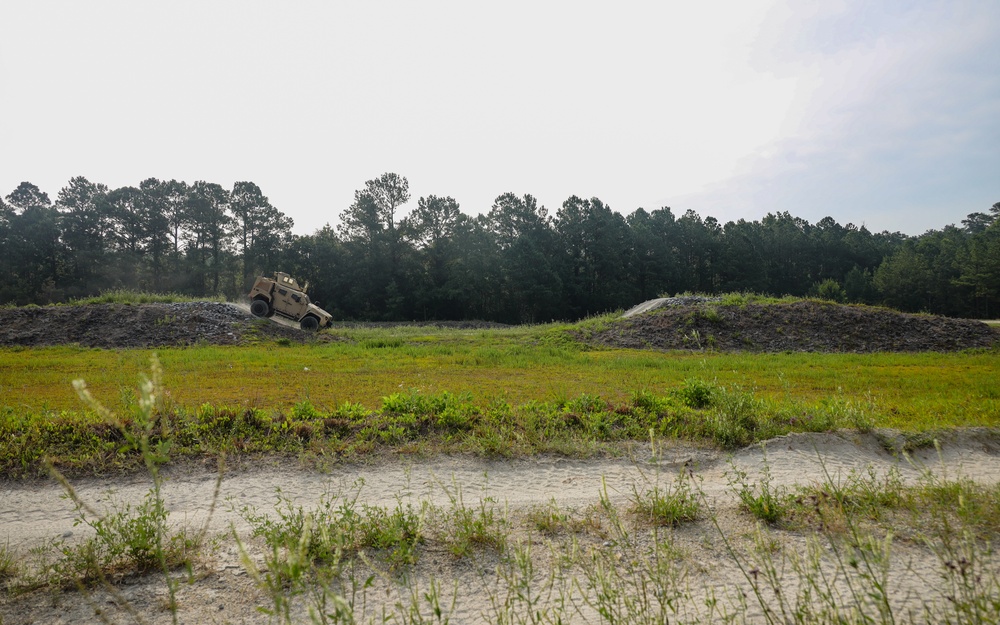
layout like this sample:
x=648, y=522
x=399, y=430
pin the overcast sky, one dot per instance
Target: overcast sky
x=882, y=113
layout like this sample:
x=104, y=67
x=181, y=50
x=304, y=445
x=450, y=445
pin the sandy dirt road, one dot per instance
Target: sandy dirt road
x=33, y=514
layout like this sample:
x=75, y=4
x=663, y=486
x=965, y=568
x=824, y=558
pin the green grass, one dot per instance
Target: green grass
x=130, y=296
x=914, y=391
x=500, y=392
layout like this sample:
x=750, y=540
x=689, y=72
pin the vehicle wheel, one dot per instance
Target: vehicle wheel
x=259, y=308
x=309, y=324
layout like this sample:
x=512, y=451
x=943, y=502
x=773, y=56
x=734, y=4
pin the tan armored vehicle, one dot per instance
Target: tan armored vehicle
x=283, y=296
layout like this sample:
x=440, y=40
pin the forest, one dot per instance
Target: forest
x=515, y=263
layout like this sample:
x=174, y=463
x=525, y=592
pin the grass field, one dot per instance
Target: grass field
x=391, y=387
x=912, y=391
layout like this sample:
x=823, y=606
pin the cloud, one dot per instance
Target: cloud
x=897, y=124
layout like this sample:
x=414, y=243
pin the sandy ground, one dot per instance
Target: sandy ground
x=33, y=514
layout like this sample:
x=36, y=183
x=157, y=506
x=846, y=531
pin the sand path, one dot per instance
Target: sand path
x=36, y=513
x=33, y=512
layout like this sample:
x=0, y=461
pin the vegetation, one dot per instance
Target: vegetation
x=672, y=504
x=131, y=296
x=329, y=563
x=517, y=365
x=123, y=540
x=832, y=558
x=515, y=262
x=494, y=393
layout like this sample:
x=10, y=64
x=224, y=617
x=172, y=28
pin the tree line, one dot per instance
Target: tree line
x=515, y=263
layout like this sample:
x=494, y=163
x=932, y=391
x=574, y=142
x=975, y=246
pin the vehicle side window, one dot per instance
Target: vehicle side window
x=296, y=297
x=282, y=292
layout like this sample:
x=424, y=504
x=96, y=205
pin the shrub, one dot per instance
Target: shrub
x=829, y=290
x=696, y=393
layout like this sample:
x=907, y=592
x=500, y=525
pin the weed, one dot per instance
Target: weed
x=738, y=419
x=130, y=539
x=870, y=494
x=763, y=500
x=585, y=403
x=525, y=595
x=834, y=581
x=693, y=338
x=975, y=507
x=304, y=410
x=650, y=402
x=548, y=519
x=741, y=300
x=337, y=529
x=326, y=534
x=410, y=613
x=670, y=505
x=397, y=532
x=8, y=562
x=862, y=495
x=353, y=412
x=648, y=587
x=711, y=314
x=968, y=583
x=481, y=526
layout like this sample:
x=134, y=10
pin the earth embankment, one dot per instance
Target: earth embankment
x=802, y=326
x=680, y=323
x=138, y=325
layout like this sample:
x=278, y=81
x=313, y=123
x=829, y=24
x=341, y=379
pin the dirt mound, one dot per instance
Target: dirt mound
x=157, y=325
x=145, y=325
x=680, y=323
x=804, y=326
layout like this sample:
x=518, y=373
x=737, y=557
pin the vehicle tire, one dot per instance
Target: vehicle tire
x=259, y=308
x=309, y=323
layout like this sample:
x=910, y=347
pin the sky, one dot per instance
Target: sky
x=883, y=114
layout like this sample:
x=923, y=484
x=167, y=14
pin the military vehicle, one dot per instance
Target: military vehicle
x=283, y=296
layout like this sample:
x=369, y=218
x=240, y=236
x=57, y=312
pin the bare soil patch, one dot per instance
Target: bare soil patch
x=804, y=326
x=139, y=325
x=156, y=325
